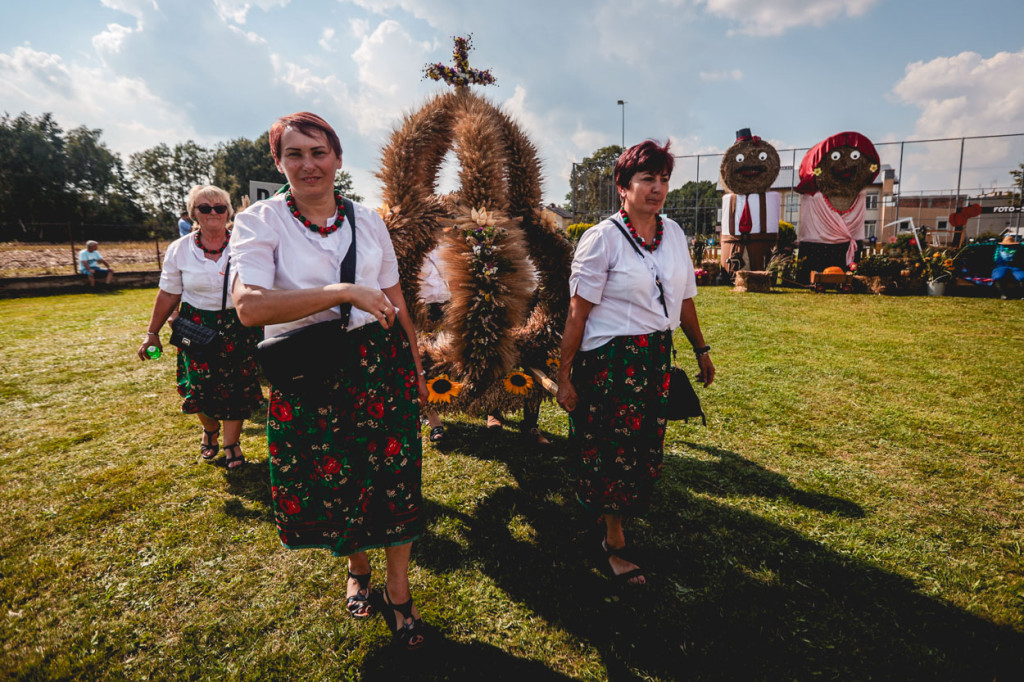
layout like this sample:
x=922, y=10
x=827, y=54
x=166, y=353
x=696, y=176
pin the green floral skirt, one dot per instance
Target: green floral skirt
x=226, y=384
x=345, y=468
x=619, y=421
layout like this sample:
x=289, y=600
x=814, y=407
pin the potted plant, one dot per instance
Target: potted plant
x=938, y=271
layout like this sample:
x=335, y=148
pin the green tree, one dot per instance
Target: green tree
x=343, y=183
x=164, y=177
x=694, y=199
x=592, y=194
x=33, y=172
x=237, y=162
x=97, y=179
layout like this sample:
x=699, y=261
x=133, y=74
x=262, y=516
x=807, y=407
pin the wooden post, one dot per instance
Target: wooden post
x=156, y=239
x=74, y=256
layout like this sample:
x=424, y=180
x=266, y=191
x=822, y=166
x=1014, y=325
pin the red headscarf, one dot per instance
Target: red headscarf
x=812, y=159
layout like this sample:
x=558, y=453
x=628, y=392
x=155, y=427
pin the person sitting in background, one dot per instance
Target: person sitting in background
x=184, y=226
x=89, y=260
x=1008, y=270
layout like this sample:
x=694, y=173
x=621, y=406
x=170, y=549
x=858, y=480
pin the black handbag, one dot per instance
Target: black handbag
x=683, y=402
x=303, y=361
x=199, y=340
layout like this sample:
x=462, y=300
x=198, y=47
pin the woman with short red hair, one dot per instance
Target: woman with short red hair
x=632, y=285
x=344, y=460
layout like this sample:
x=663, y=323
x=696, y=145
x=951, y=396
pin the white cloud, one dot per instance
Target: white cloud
x=237, y=10
x=717, y=76
x=964, y=95
x=250, y=36
x=387, y=79
x=327, y=39
x=135, y=8
x=109, y=41
x=360, y=28
x=760, y=18
x=36, y=82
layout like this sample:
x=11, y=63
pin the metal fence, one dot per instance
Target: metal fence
x=930, y=179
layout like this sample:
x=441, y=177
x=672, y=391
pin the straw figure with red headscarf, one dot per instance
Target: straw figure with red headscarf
x=750, y=213
x=833, y=177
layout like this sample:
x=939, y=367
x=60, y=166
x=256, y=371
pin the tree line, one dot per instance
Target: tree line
x=49, y=175
x=593, y=196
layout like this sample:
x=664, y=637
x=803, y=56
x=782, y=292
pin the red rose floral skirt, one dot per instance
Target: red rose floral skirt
x=619, y=421
x=345, y=468
x=225, y=385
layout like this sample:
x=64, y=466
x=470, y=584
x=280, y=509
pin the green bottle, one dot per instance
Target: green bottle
x=153, y=352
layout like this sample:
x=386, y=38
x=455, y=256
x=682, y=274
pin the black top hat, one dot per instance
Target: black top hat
x=743, y=134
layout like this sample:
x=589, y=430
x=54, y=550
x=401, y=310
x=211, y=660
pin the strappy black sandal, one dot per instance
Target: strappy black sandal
x=437, y=434
x=207, y=451
x=233, y=461
x=622, y=579
x=410, y=633
x=359, y=604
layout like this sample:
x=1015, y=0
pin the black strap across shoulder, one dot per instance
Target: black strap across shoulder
x=224, y=294
x=348, y=264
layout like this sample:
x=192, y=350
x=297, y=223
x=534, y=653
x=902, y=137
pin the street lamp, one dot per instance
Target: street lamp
x=622, y=103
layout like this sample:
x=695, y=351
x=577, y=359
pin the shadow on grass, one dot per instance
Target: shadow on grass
x=731, y=596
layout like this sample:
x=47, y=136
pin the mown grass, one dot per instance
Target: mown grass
x=27, y=259
x=853, y=510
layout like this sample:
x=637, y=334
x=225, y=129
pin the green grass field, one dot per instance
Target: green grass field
x=853, y=510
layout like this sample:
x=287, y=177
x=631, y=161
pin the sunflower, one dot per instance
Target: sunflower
x=441, y=389
x=518, y=383
x=553, y=362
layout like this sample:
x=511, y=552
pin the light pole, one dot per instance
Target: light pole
x=622, y=103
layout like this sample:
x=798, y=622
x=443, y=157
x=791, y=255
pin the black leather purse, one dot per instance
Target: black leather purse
x=303, y=361
x=199, y=340
x=683, y=402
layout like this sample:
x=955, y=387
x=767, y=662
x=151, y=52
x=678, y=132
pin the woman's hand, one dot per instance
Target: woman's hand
x=151, y=340
x=374, y=302
x=422, y=389
x=707, y=369
x=567, y=397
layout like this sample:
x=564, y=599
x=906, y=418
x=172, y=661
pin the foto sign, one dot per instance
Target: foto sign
x=258, y=191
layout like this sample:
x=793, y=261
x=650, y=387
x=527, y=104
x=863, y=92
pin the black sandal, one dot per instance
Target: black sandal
x=207, y=451
x=411, y=627
x=624, y=553
x=233, y=461
x=437, y=434
x=360, y=605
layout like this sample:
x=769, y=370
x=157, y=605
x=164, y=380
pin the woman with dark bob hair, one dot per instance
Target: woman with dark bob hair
x=632, y=284
x=345, y=462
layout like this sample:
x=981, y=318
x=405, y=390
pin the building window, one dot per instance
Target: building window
x=942, y=224
x=870, y=229
x=871, y=201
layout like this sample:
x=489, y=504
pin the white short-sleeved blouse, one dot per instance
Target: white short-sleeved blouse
x=198, y=279
x=607, y=272
x=271, y=249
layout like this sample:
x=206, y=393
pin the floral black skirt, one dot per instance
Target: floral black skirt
x=345, y=468
x=225, y=384
x=619, y=421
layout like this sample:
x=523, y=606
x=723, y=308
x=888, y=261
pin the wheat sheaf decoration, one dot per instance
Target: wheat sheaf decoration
x=507, y=265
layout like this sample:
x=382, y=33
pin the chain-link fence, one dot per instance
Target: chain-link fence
x=927, y=181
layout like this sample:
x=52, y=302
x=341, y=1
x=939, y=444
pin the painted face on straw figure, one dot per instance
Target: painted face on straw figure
x=844, y=172
x=750, y=165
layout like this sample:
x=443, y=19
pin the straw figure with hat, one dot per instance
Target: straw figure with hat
x=834, y=175
x=1008, y=270
x=750, y=213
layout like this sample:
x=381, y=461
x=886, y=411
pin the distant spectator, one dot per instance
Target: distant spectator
x=184, y=226
x=88, y=260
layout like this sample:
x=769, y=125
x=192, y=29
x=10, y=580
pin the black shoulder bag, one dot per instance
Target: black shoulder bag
x=683, y=402
x=303, y=361
x=199, y=340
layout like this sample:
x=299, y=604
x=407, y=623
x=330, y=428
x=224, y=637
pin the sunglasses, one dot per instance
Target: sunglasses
x=205, y=209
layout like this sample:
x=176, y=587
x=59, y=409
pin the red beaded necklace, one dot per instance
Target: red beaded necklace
x=322, y=231
x=640, y=240
x=213, y=252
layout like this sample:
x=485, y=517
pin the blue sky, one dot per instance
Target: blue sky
x=151, y=71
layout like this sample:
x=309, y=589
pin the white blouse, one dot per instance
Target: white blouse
x=607, y=272
x=188, y=272
x=271, y=249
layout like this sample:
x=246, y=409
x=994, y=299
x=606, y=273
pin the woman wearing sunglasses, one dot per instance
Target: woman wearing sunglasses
x=222, y=387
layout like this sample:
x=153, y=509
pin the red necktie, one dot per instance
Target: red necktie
x=746, y=224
